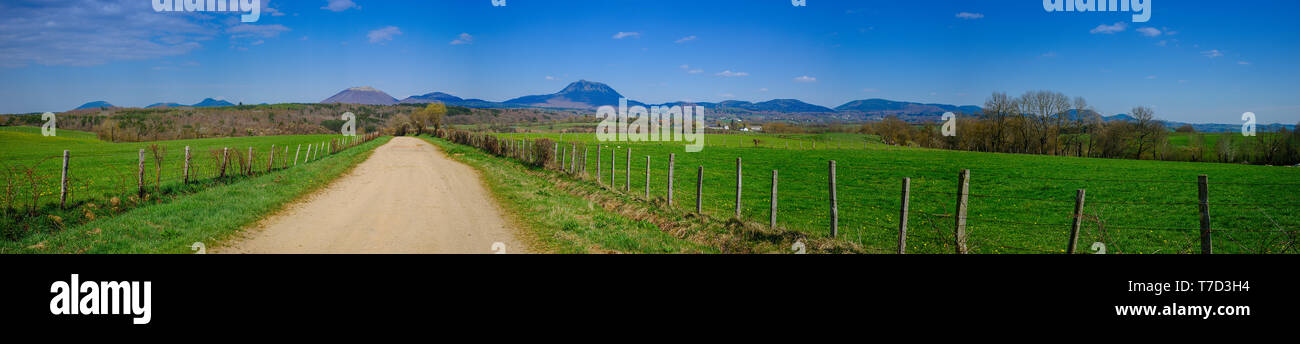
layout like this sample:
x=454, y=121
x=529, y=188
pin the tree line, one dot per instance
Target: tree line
x=1050, y=123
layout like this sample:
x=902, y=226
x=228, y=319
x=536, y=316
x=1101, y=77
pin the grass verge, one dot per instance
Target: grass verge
x=565, y=215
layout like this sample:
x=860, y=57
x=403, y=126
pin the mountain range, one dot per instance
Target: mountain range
x=589, y=95
x=207, y=102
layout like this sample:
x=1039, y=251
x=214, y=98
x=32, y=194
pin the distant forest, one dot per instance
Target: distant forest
x=138, y=125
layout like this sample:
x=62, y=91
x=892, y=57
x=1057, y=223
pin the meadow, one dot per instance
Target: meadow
x=103, y=176
x=101, y=169
x=1018, y=203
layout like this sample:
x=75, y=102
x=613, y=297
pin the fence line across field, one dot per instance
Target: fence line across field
x=152, y=169
x=656, y=179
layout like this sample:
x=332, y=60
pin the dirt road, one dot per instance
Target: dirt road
x=408, y=197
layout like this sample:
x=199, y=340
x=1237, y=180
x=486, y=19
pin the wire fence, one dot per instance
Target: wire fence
x=1117, y=216
x=29, y=185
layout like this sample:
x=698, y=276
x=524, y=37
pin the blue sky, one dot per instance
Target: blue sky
x=1194, y=61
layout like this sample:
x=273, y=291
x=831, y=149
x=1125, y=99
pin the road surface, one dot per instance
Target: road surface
x=408, y=197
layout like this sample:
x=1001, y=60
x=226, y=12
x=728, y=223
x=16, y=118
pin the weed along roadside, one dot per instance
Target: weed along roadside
x=568, y=211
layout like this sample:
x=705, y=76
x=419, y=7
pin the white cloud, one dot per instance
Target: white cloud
x=686, y=39
x=548, y=77
x=805, y=78
x=88, y=33
x=622, y=35
x=1213, y=53
x=339, y=5
x=1109, y=29
x=464, y=38
x=969, y=15
x=728, y=73
x=383, y=34
x=1149, y=31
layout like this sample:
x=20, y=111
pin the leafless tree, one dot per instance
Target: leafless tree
x=1149, y=131
x=1043, y=106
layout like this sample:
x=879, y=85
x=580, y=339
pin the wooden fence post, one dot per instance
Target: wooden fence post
x=271, y=163
x=555, y=154
x=963, y=190
x=573, y=160
x=225, y=161
x=63, y=188
x=284, y=161
x=186, y=176
x=583, y=168
x=902, y=216
x=772, y=224
x=613, y=167
x=627, y=171
x=738, y=183
x=647, y=177
x=1203, y=186
x=699, y=190
x=835, y=208
x=672, y=159
x=598, y=165
x=140, y=176
x=249, y=170
x=1078, y=220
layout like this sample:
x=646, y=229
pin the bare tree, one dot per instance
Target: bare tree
x=1074, y=127
x=997, y=108
x=1044, y=106
x=1149, y=131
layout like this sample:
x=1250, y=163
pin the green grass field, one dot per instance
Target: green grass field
x=101, y=169
x=1018, y=203
x=103, y=185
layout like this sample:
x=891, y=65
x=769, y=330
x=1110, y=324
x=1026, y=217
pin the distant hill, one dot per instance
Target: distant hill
x=209, y=102
x=447, y=99
x=885, y=106
x=361, y=95
x=95, y=104
x=582, y=94
x=1119, y=117
x=435, y=97
x=774, y=105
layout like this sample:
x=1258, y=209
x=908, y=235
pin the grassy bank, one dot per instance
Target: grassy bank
x=173, y=224
x=557, y=221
